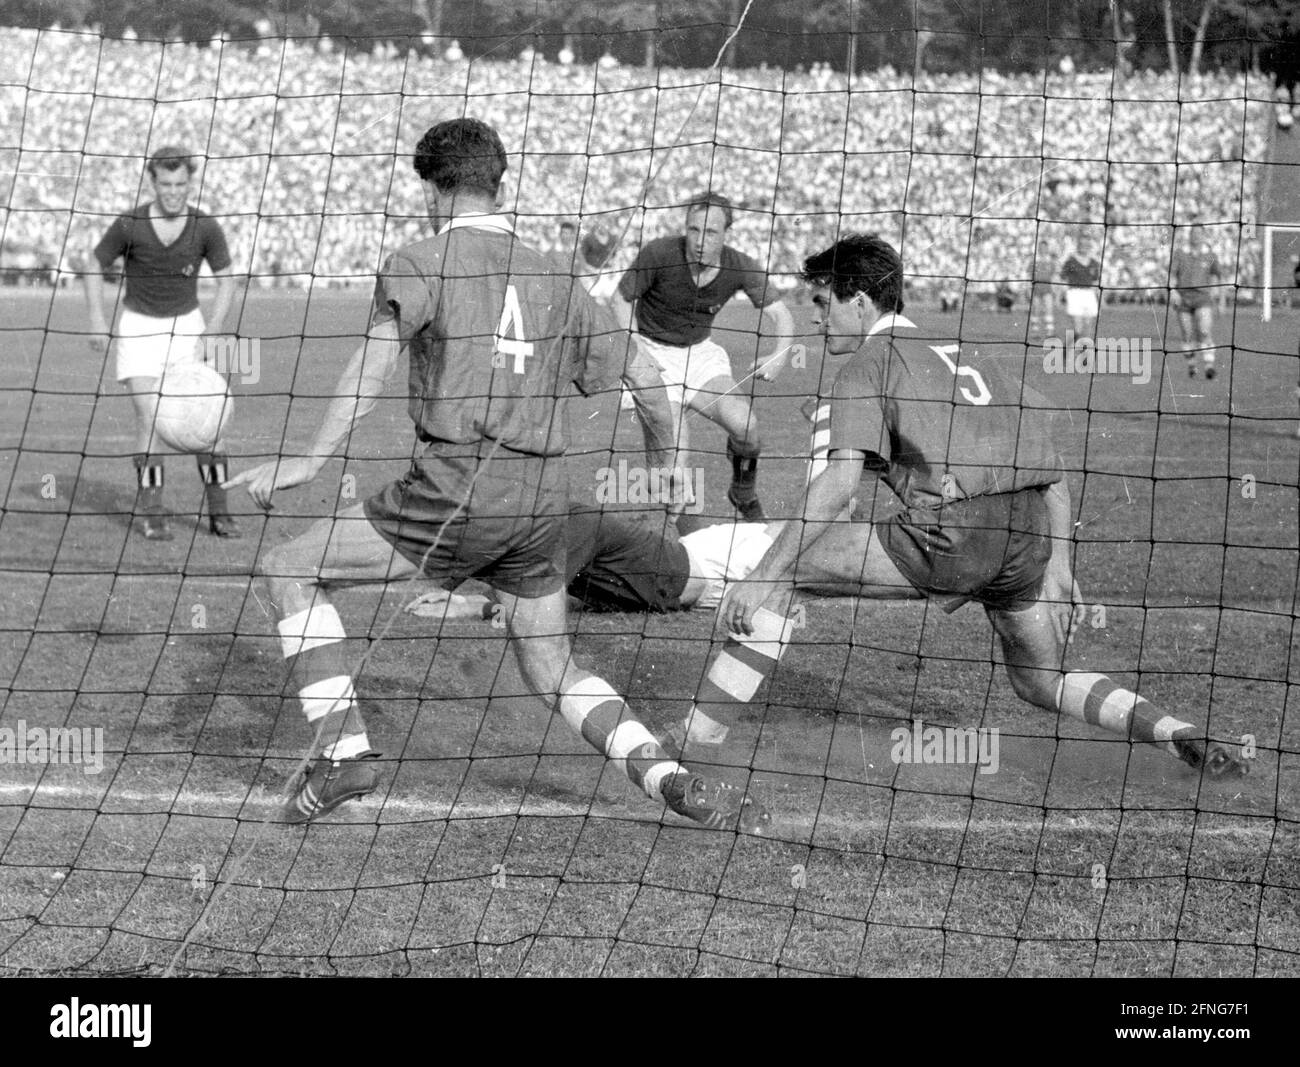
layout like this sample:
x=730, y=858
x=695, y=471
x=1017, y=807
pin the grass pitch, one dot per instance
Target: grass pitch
x=499, y=844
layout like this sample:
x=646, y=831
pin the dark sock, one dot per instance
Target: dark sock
x=744, y=464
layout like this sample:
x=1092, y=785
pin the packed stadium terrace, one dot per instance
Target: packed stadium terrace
x=307, y=154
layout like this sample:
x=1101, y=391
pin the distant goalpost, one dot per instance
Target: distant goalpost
x=1267, y=289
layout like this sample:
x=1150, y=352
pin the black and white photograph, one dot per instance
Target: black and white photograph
x=650, y=489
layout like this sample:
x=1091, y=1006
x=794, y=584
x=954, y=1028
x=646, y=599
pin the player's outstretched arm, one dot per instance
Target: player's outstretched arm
x=766, y=368
x=358, y=388
x=1060, y=589
x=827, y=496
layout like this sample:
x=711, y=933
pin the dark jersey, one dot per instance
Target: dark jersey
x=937, y=423
x=670, y=307
x=163, y=280
x=497, y=333
x=1081, y=274
x=625, y=561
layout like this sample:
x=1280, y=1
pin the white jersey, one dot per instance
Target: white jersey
x=725, y=553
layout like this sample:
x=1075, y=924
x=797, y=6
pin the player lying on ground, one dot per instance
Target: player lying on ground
x=632, y=562
x=162, y=244
x=672, y=293
x=986, y=512
x=495, y=334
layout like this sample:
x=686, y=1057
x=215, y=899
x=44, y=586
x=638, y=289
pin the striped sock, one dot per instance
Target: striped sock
x=312, y=643
x=213, y=470
x=1097, y=700
x=212, y=467
x=149, y=479
x=735, y=675
x=592, y=709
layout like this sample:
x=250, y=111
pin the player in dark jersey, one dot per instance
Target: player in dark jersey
x=1081, y=273
x=162, y=245
x=496, y=333
x=629, y=561
x=673, y=291
x=1193, y=276
x=985, y=512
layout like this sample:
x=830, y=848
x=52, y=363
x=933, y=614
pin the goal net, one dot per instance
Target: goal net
x=925, y=820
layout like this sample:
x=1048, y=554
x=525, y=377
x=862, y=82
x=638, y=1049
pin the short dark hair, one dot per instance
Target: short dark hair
x=704, y=201
x=461, y=154
x=169, y=158
x=596, y=250
x=859, y=263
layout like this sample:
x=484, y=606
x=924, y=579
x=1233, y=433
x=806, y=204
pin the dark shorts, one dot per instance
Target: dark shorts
x=992, y=549
x=508, y=530
x=1194, y=299
x=626, y=561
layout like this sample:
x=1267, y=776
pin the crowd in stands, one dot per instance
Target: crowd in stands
x=306, y=154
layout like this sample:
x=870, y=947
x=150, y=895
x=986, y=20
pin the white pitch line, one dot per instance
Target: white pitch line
x=208, y=579
x=38, y=442
x=262, y=803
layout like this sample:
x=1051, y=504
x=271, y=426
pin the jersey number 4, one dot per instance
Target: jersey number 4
x=510, y=334
x=981, y=395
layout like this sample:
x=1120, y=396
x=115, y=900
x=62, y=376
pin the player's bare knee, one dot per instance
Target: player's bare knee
x=542, y=663
x=1034, y=685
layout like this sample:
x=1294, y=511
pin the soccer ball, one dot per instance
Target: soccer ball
x=194, y=406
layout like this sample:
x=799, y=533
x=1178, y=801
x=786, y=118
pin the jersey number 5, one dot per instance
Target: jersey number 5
x=981, y=396
x=512, y=322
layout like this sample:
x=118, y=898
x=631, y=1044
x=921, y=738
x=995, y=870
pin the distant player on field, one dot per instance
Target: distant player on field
x=986, y=512
x=1193, y=276
x=1281, y=57
x=495, y=333
x=672, y=293
x=1042, y=297
x=162, y=245
x=1081, y=273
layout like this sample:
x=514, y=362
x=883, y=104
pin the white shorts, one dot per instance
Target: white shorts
x=1082, y=303
x=725, y=553
x=686, y=371
x=144, y=345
